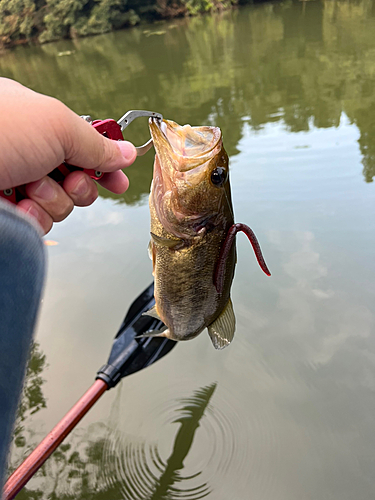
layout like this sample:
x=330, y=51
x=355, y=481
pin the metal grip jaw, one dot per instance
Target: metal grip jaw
x=131, y=115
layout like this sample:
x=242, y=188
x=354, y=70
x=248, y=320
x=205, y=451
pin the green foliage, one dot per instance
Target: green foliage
x=195, y=7
x=75, y=18
x=61, y=15
x=19, y=19
x=49, y=20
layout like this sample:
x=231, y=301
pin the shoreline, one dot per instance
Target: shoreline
x=41, y=38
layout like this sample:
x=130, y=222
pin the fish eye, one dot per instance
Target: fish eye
x=218, y=176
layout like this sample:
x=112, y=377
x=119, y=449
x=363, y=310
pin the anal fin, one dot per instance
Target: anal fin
x=221, y=331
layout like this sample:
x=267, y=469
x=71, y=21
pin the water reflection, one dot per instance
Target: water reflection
x=142, y=473
x=301, y=64
x=191, y=414
x=32, y=401
x=112, y=467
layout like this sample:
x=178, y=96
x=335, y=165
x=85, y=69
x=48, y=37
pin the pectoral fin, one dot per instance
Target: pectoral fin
x=221, y=331
x=152, y=312
x=151, y=254
x=164, y=332
x=165, y=242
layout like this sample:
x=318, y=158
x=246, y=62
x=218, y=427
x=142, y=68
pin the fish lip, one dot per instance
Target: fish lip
x=163, y=146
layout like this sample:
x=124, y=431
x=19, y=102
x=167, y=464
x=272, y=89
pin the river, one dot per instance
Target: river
x=287, y=411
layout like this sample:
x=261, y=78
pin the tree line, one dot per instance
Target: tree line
x=22, y=21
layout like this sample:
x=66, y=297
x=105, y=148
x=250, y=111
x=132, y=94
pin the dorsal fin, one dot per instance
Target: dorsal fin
x=221, y=331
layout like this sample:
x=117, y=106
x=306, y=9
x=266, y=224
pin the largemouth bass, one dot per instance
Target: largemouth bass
x=192, y=237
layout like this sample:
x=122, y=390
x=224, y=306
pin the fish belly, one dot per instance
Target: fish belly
x=186, y=298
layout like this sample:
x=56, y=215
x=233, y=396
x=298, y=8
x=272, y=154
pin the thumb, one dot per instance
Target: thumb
x=84, y=147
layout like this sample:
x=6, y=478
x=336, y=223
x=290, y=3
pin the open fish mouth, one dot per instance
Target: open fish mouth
x=184, y=147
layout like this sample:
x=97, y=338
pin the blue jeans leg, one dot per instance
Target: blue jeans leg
x=22, y=268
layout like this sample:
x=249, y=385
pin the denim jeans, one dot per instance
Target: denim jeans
x=22, y=268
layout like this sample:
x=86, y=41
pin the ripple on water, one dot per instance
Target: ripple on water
x=210, y=445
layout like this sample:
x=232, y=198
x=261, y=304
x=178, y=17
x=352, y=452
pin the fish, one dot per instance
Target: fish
x=192, y=244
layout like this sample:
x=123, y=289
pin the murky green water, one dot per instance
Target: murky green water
x=288, y=410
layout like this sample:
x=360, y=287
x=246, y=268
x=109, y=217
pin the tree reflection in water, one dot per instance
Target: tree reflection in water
x=32, y=401
x=110, y=467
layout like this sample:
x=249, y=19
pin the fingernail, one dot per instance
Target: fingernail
x=33, y=212
x=127, y=149
x=81, y=187
x=45, y=190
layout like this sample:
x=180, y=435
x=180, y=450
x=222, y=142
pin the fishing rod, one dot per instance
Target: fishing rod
x=128, y=355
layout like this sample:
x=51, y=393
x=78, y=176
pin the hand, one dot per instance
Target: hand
x=37, y=133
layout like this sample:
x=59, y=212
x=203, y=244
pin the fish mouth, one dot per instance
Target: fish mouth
x=184, y=147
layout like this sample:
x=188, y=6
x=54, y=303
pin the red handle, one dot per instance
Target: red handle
x=109, y=128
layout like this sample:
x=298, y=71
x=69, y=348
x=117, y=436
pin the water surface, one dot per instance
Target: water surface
x=288, y=410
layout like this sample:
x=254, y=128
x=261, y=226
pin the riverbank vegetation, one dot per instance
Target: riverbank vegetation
x=22, y=21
